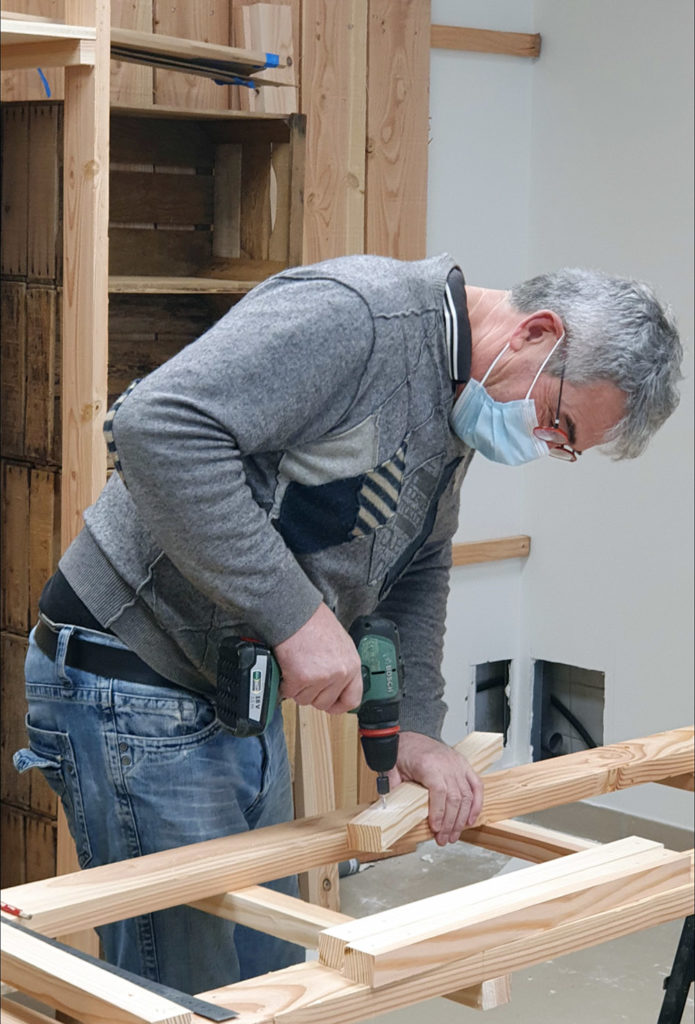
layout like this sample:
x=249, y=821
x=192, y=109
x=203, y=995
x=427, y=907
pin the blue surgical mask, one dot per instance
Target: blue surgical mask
x=501, y=431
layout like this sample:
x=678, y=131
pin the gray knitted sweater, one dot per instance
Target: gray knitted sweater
x=299, y=451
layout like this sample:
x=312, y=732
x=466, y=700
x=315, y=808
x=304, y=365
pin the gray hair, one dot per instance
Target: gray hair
x=617, y=331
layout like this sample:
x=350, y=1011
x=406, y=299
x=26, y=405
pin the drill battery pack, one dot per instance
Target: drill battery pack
x=248, y=679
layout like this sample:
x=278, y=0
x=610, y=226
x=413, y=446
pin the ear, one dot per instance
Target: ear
x=543, y=325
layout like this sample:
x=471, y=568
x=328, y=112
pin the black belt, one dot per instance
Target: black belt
x=99, y=659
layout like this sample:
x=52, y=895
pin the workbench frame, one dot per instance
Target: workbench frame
x=222, y=876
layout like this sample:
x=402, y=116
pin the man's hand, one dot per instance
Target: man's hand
x=456, y=792
x=320, y=665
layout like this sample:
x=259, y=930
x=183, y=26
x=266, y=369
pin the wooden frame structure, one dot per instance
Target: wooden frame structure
x=460, y=944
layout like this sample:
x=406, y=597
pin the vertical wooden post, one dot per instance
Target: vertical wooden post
x=85, y=298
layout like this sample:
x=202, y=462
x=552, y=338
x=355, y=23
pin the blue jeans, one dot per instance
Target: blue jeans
x=143, y=768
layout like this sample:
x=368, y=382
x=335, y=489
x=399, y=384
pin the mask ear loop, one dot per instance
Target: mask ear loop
x=543, y=364
x=494, y=363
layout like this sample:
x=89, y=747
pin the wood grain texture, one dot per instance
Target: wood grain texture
x=132, y=83
x=480, y=40
x=379, y=827
x=397, y=128
x=525, y=841
x=193, y=22
x=314, y=994
x=469, y=920
x=87, y=991
x=314, y=794
x=334, y=72
x=472, y=552
x=115, y=891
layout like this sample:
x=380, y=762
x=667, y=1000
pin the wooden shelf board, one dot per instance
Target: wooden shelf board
x=179, y=286
x=30, y=43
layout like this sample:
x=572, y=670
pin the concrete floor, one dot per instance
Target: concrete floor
x=607, y=984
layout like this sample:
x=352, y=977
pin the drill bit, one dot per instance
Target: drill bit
x=382, y=787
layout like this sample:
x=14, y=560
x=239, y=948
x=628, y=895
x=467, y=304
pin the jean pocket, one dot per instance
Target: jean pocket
x=52, y=753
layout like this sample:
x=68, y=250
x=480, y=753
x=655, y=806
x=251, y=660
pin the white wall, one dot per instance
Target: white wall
x=583, y=157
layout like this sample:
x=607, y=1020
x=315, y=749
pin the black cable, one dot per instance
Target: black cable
x=573, y=720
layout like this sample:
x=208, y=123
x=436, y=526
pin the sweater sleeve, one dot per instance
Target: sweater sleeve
x=417, y=604
x=281, y=368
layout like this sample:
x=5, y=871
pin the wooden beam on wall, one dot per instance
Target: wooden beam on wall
x=397, y=128
x=480, y=40
x=472, y=552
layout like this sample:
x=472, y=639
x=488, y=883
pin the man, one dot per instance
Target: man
x=297, y=466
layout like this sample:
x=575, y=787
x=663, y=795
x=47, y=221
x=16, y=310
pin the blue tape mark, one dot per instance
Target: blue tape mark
x=272, y=60
x=45, y=83
x=235, y=81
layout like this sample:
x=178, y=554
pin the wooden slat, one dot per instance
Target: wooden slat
x=15, y=548
x=686, y=781
x=137, y=251
x=190, y=25
x=131, y=83
x=254, y=222
x=15, y=188
x=379, y=827
x=12, y=366
x=161, y=141
x=163, y=199
x=447, y=927
x=85, y=990
x=27, y=85
x=227, y=201
x=314, y=794
x=115, y=891
x=13, y=1012
x=313, y=994
x=50, y=54
x=334, y=72
x=473, y=552
x=479, y=40
x=15, y=789
x=525, y=841
x=274, y=913
x=268, y=27
x=39, y=424
x=12, y=844
x=397, y=128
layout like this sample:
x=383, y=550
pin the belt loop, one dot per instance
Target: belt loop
x=64, y=637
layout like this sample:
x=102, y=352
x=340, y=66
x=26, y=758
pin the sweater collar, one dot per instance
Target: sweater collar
x=458, y=328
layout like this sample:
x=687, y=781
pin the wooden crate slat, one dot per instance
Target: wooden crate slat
x=15, y=188
x=41, y=316
x=160, y=141
x=41, y=843
x=15, y=789
x=44, y=236
x=12, y=846
x=254, y=227
x=148, y=251
x=15, y=548
x=12, y=366
x=138, y=197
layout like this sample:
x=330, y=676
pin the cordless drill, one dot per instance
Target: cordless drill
x=248, y=684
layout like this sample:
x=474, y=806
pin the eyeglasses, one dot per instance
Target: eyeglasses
x=556, y=438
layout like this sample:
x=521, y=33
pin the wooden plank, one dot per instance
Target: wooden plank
x=254, y=215
x=15, y=789
x=268, y=27
x=41, y=344
x=397, y=128
x=131, y=83
x=27, y=85
x=377, y=828
x=314, y=794
x=311, y=993
x=116, y=891
x=15, y=188
x=333, y=96
x=156, y=285
x=525, y=841
x=480, y=40
x=189, y=25
x=60, y=53
x=139, y=197
x=490, y=550
x=488, y=995
x=521, y=904
x=61, y=980
x=227, y=201
x=13, y=854
x=140, y=252
x=153, y=139
x=296, y=187
x=13, y=1012
x=13, y=366
x=280, y=200
x=274, y=913
x=686, y=781
x=15, y=548
x=345, y=751
x=43, y=555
